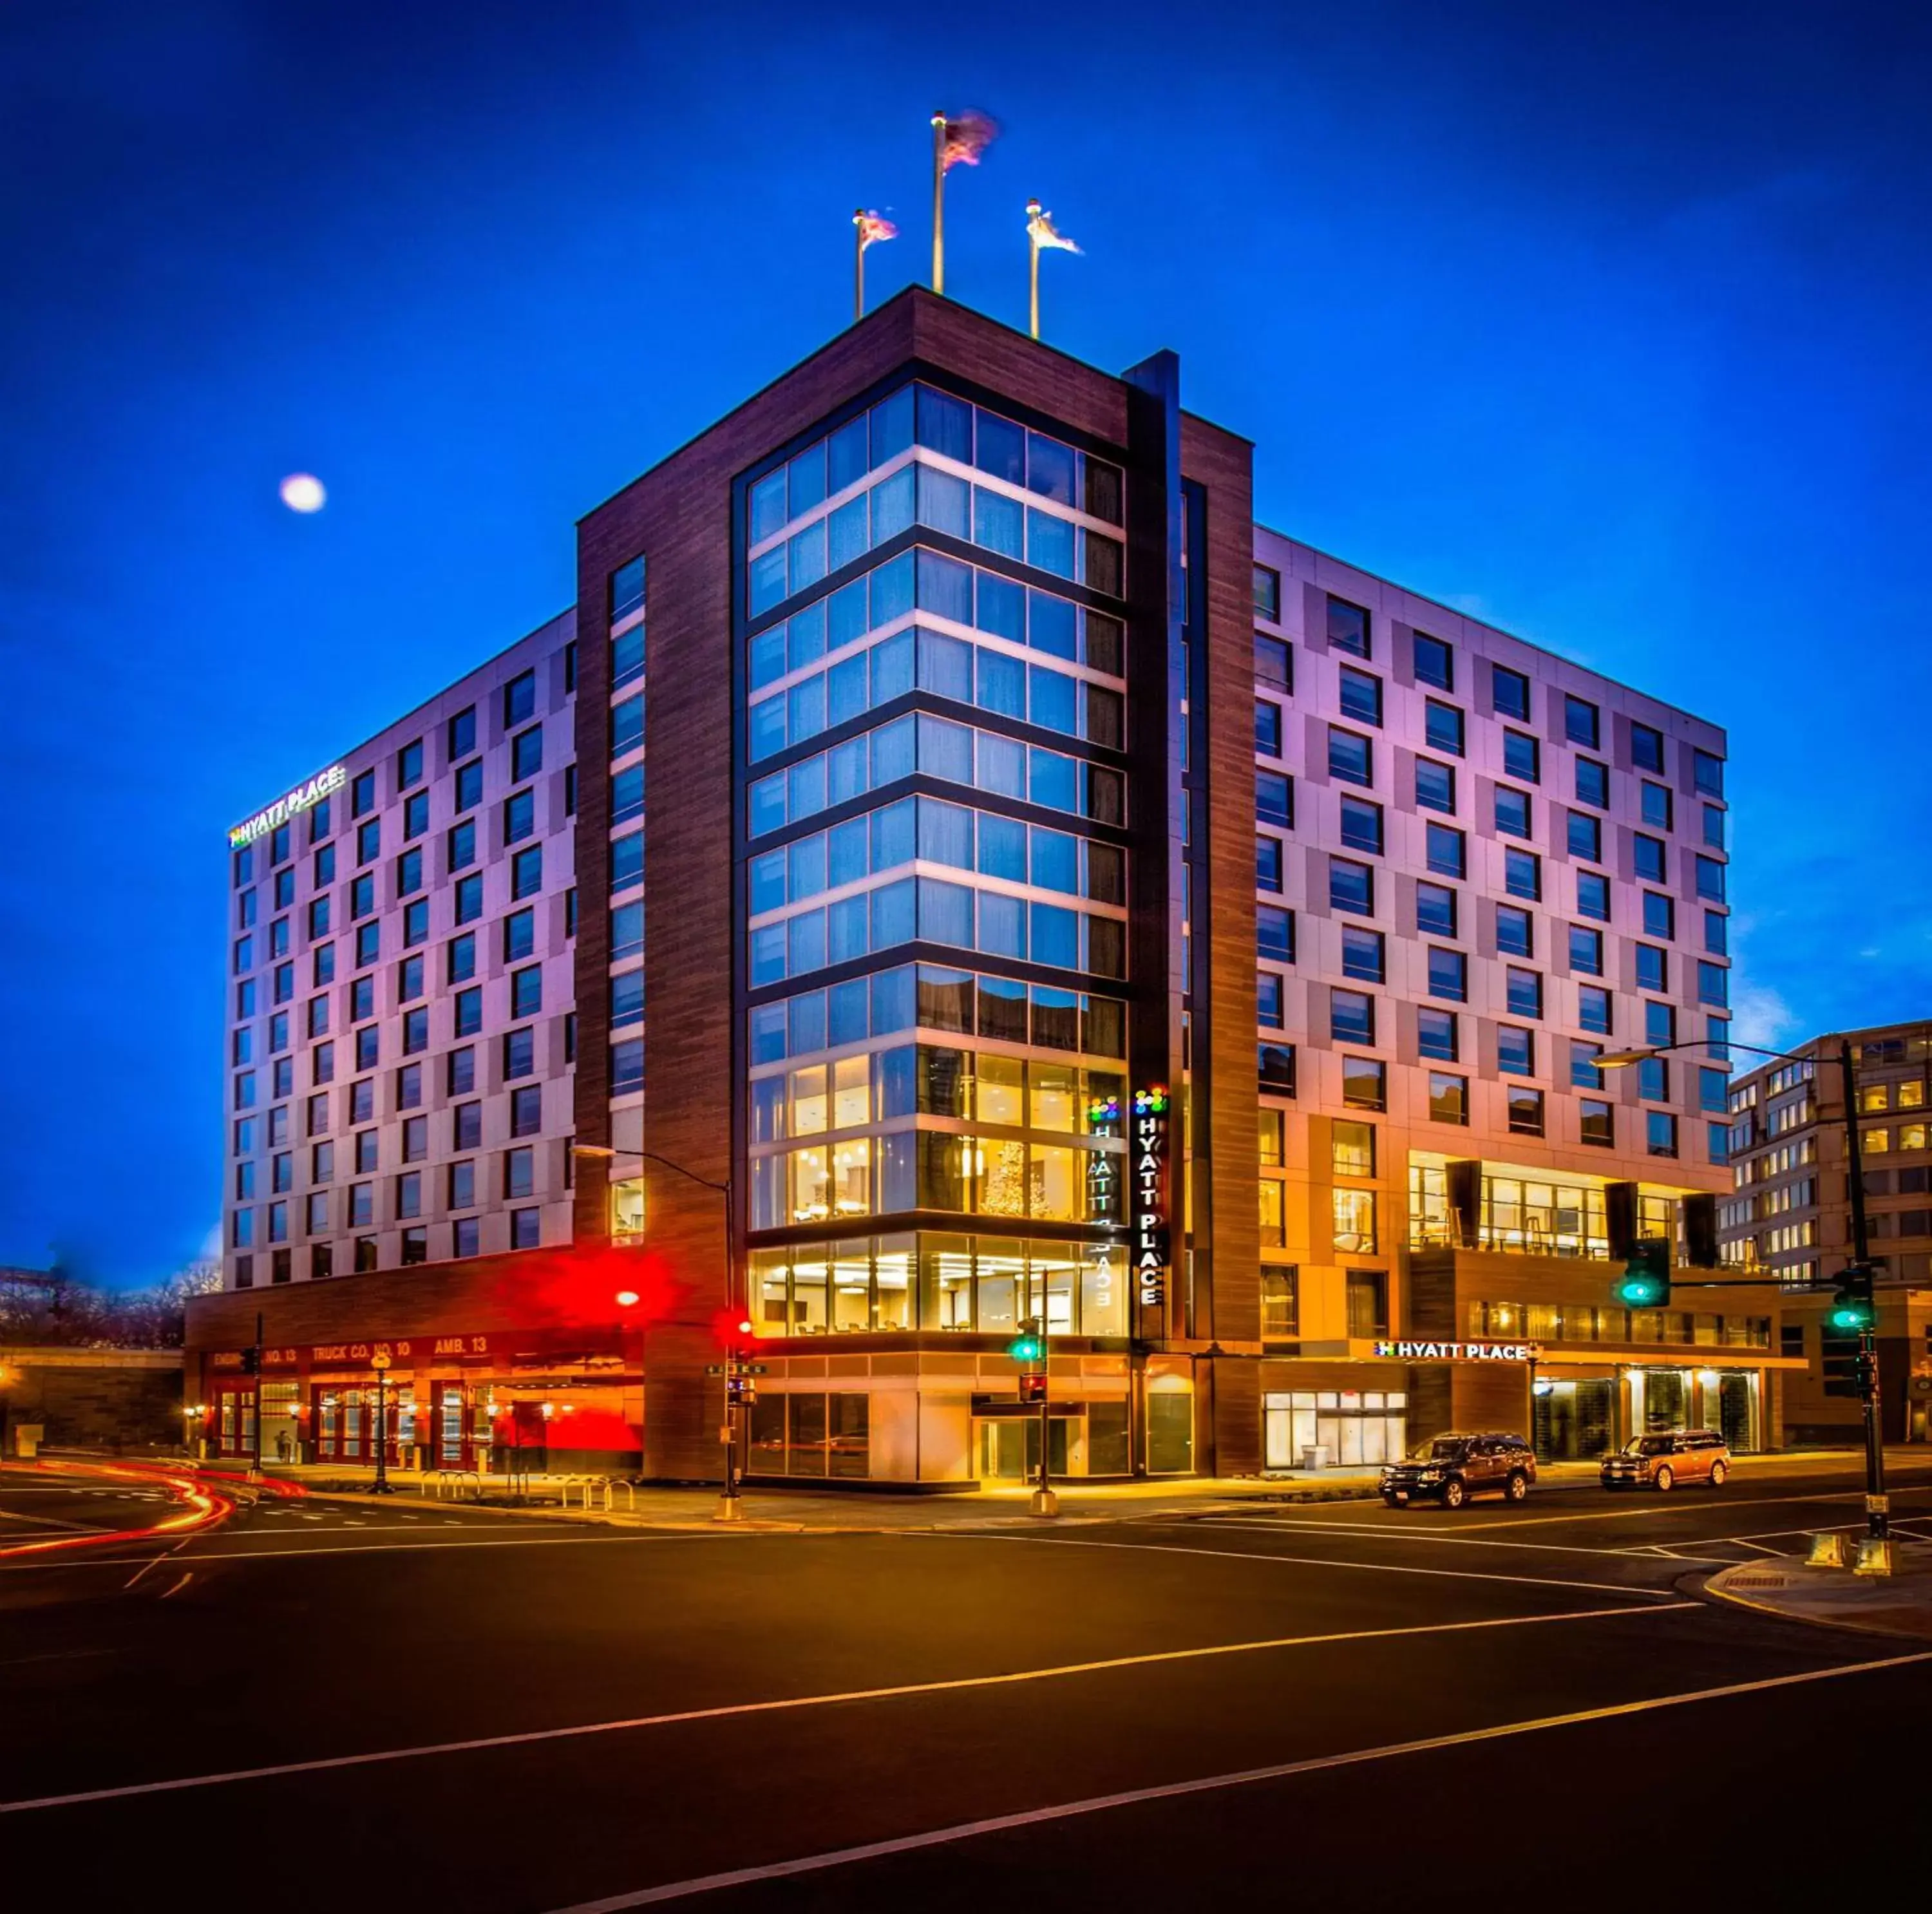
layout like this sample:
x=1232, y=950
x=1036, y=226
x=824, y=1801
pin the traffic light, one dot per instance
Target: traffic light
x=1033, y=1388
x=251, y=1362
x=1029, y=1346
x=1645, y=1281
x=1854, y=1308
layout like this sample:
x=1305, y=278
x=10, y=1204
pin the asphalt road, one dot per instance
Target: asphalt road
x=332, y=1705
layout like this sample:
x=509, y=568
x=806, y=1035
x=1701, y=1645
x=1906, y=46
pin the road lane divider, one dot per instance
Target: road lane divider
x=730, y=1710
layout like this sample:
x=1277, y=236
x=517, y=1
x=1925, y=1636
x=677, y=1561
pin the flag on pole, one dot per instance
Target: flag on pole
x=1041, y=230
x=868, y=229
x=965, y=137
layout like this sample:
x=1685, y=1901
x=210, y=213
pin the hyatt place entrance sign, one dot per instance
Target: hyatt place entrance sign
x=1459, y=1352
x=300, y=799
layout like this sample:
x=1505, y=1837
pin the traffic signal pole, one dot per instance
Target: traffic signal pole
x=1877, y=1557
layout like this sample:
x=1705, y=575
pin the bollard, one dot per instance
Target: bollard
x=1828, y=1551
x=1875, y=1556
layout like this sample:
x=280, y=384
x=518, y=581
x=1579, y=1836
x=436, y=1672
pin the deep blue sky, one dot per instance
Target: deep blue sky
x=1606, y=325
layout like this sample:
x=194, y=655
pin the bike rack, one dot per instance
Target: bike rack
x=453, y=1480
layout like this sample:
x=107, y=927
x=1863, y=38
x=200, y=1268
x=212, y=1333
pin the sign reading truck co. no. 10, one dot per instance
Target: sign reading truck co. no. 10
x=1148, y=1152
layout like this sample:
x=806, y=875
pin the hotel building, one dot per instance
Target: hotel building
x=1067, y=902
x=1790, y=1219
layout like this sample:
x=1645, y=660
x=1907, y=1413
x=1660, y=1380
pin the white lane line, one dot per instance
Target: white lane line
x=1318, y=1561
x=50, y=1521
x=1396, y=1534
x=1204, y=1784
x=1763, y=1548
x=730, y=1710
x=1662, y=1503
x=186, y=1579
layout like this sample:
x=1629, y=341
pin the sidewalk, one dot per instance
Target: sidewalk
x=869, y=1509
x=1897, y=1604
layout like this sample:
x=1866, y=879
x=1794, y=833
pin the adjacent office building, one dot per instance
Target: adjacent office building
x=1790, y=1218
x=1059, y=899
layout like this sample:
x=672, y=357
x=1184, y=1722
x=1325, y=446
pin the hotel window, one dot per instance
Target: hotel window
x=627, y=930
x=1647, y=856
x=1274, y=934
x=1509, y=693
x=1347, y=627
x=1515, y=1050
x=362, y=794
x=1525, y=990
x=1656, y=806
x=1584, y=1073
x=1448, y=974
x=1522, y=757
x=410, y=765
x=1712, y=1088
x=1598, y=1122
x=1274, y=798
x=1593, y=783
x=1436, y=1035
x=366, y=1047
x=1585, y=837
x=1274, y=662
x=1354, y=1231
x=526, y=754
x=462, y=733
x=469, y=785
x=1593, y=1008
x=1361, y=825
x=318, y=1020
x=315, y=1214
x=362, y=896
x=1275, y=1066
x=1268, y=863
x=1579, y=720
x=1708, y=773
x=323, y=968
x=1523, y=873
x=1274, y=1218
x=527, y=991
x=367, y=1143
x=415, y=1139
x=459, y=1078
x=1435, y=663
x=409, y=871
x=1435, y=786
x=1269, y=997
x=1653, y=1080
x=520, y=1055
x=365, y=1251
x=1365, y=1083
x=1714, y=826
x=1717, y=933
x=1363, y=954
x=1352, y=1016
x=1442, y=727
x=526, y=1110
x=519, y=815
x=1651, y=970
x=1660, y=915
x=1361, y=696
x=1515, y=931
x=368, y=944
x=1526, y=1110
x=1267, y=727
x=368, y=841
x=1586, y=951
x=520, y=700
x=1447, y=852
x=415, y=1031
x=1270, y=1133
x=415, y=922
x=244, y=866
x=1350, y=756
x=1448, y=1098
x=1713, y=984
x=1280, y=1313
x=1660, y=1133
x=1710, y=880
x=526, y=872
x=1646, y=747
x=280, y=851
x=1434, y=910
x=1351, y=886
x=415, y=815
x=462, y=1186
x=520, y=936
x=466, y=1127
x=408, y=1087
x=1268, y=594
x=1352, y=1149
x=1510, y=810
x=361, y=1101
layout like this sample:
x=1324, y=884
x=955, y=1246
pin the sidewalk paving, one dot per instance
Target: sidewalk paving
x=770, y=1507
x=1900, y=1603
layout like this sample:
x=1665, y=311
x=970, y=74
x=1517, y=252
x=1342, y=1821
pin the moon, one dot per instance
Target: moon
x=303, y=492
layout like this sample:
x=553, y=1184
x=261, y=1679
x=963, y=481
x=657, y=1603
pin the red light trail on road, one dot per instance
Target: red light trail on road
x=201, y=1506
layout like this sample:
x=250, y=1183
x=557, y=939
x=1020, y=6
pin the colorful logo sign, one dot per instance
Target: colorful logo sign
x=300, y=799
x=1148, y=1143
x=1459, y=1352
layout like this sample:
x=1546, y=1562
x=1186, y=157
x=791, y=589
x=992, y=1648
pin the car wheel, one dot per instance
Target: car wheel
x=1666, y=1481
x=1718, y=1472
x=1517, y=1487
x=1454, y=1494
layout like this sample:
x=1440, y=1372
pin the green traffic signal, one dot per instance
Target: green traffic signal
x=1854, y=1307
x=1854, y=1312
x=1640, y=1291
x=1026, y=1349
x=1645, y=1281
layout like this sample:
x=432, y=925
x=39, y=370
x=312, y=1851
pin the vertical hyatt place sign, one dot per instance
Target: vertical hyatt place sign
x=1147, y=1151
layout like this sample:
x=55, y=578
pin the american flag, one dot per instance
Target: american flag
x=1040, y=227
x=968, y=136
x=873, y=228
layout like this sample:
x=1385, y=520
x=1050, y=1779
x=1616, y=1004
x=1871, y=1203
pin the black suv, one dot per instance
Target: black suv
x=1453, y=1468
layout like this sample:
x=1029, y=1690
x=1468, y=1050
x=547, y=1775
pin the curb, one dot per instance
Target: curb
x=1707, y=1587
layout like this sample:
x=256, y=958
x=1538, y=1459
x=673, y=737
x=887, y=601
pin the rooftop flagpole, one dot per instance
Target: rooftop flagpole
x=939, y=203
x=859, y=263
x=1033, y=210
x=1041, y=234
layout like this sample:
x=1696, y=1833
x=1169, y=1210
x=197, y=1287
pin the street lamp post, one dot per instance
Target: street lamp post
x=730, y=1506
x=380, y=1362
x=1875, y=1558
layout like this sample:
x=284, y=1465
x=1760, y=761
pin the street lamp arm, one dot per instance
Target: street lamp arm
x=603, y=1150
x=1619, y=1060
